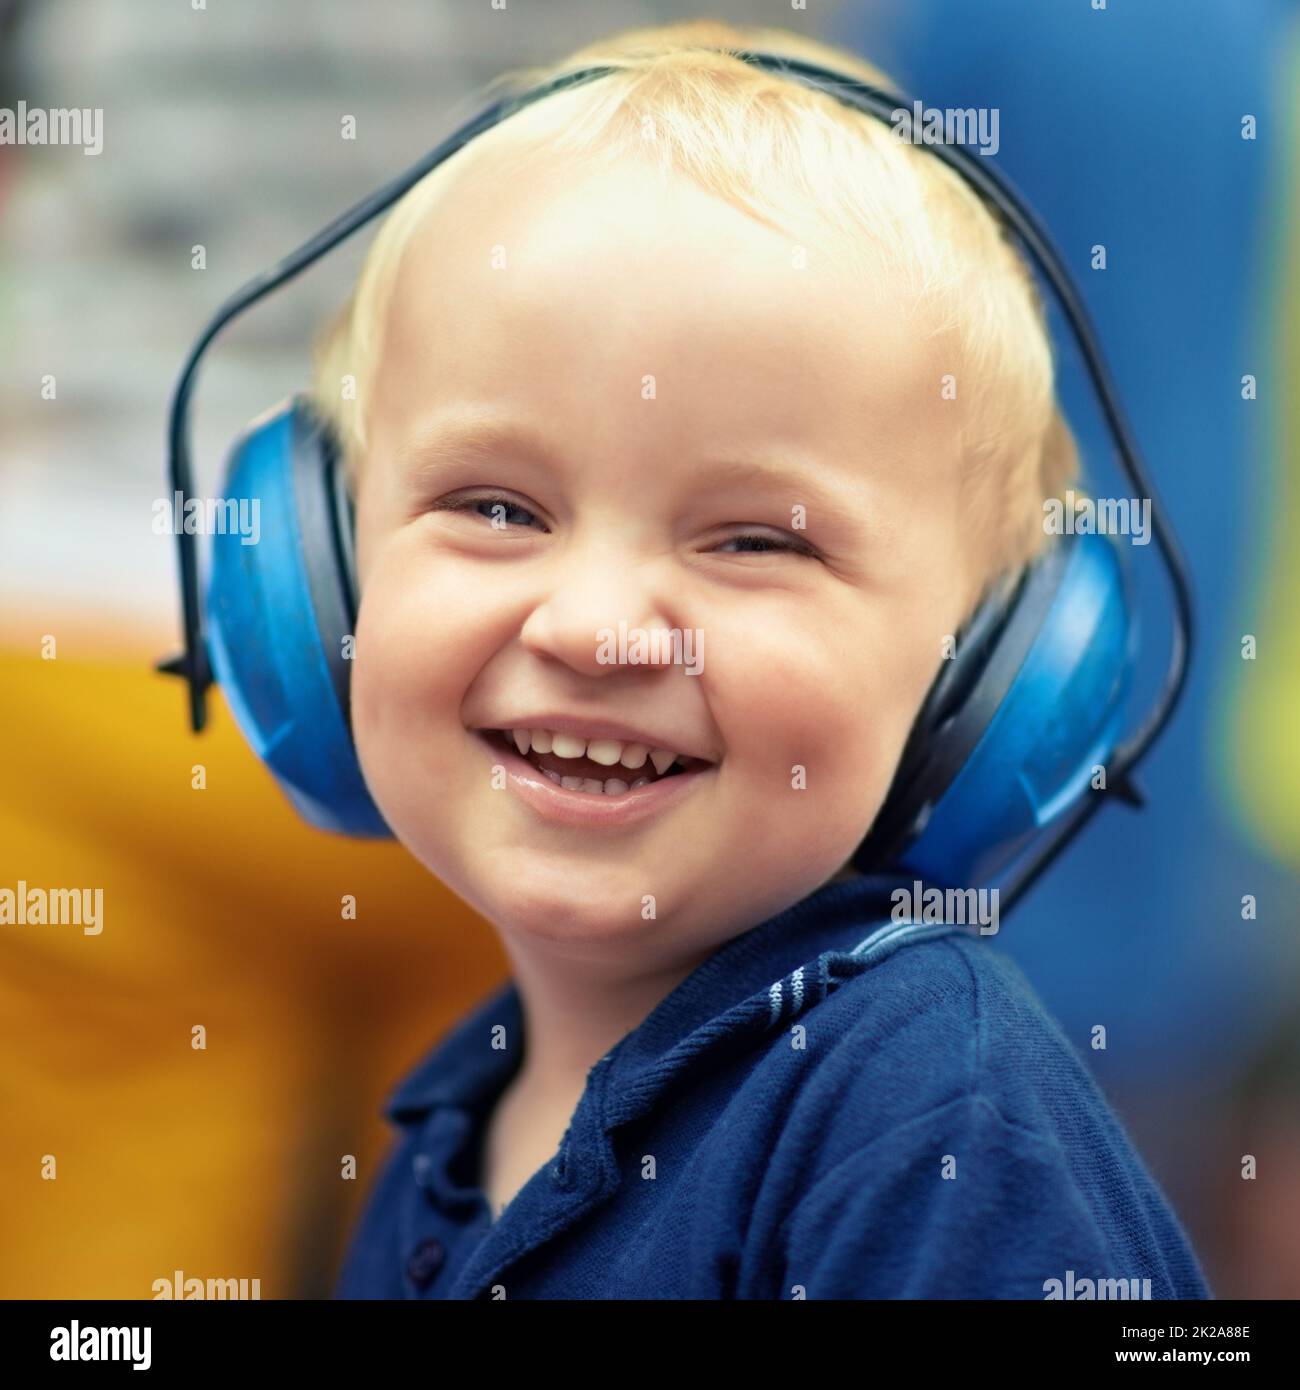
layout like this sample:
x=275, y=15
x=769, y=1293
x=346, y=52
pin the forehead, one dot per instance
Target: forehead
x=563, y=292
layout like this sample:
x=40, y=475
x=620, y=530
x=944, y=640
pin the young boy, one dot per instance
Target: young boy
x=666, y=354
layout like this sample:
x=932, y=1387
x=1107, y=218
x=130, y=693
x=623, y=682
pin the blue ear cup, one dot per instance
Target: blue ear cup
x=280, y=610
x=1015, y=724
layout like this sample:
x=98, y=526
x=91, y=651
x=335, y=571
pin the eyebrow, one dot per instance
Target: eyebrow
x=473, y=438
x=794, y=482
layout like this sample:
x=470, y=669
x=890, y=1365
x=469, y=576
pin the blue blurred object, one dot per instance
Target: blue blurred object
x=1123, y=127
x=276, y=627
x=1058, y=720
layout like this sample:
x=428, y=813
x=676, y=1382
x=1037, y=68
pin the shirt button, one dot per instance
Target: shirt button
x=425, y=1262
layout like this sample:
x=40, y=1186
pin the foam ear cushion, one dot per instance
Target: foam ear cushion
x=279, y=611
x=1012, y=733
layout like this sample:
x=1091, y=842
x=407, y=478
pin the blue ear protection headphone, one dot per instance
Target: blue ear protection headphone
x=999, y=767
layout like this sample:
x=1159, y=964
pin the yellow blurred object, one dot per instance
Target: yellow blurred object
x=1262, y=749
x=221, y=910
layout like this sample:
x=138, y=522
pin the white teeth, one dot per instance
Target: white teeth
x=612, y=786
x=634, y=755
x=604, y=751
x=609, y=752
x=663, y=759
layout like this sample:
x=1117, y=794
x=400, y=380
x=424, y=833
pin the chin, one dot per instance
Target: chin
x=544, y=912
x=555, y=896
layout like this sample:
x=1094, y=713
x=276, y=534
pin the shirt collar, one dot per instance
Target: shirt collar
x=465, y=1068
x=738, y=989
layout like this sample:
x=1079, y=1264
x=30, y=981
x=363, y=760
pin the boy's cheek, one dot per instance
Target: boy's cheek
x=811, y=753
x=392, y=702
x=836, y=703
x=410, y=627
x=811, y=738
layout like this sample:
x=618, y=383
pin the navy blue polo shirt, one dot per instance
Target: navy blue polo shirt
x=833, y=1105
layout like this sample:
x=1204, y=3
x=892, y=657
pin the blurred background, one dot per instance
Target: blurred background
x=1122, y=125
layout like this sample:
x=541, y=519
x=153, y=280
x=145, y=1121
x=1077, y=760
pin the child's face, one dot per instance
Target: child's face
x=682, y=384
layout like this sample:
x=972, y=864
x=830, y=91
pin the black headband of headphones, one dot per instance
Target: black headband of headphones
x=998, y=195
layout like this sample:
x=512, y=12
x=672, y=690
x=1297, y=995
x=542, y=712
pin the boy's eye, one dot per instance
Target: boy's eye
x=497, y=511
x=756, y=544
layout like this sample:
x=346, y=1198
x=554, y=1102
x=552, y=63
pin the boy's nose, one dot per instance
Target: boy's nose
x=591, y=613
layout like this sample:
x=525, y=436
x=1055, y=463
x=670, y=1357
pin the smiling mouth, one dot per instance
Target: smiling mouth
x=585, y=774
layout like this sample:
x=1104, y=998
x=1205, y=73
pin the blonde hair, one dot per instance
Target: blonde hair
x=783, y=153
